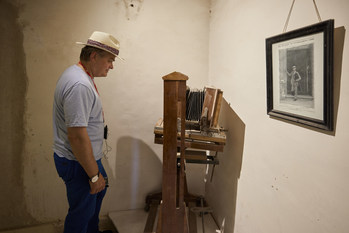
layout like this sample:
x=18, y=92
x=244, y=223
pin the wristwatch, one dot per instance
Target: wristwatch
x=94, y=179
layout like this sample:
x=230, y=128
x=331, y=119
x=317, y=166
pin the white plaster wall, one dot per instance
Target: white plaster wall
x=287, y=178
x=157, y=37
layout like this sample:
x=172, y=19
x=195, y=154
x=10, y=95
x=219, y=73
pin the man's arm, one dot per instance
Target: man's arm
x=82, y=150
x=299, y=77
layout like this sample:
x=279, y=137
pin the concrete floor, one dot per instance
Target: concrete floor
x=47, y=228
x=130, y=221
x=133, y=221
x=57, y=227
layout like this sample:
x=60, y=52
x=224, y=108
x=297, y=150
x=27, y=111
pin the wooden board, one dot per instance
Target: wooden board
x=158, y=139
x=217, y=109
x=209, y=102
x=192, y=134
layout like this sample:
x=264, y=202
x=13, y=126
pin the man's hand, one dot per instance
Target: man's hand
x=82, y=149
x=98, y=186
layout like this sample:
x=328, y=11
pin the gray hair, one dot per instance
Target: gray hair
x=87, y=50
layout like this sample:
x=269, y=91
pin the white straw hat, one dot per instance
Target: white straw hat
x=105, y=42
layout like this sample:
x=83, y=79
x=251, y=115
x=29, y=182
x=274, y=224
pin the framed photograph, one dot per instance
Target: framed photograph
x=300, y=75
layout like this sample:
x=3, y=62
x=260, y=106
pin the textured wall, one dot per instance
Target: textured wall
x=12, y=108
x=289, y=178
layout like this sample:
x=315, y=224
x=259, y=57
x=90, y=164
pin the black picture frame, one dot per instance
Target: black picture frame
x=300, y=75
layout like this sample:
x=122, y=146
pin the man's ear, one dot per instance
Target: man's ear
x=93, y=56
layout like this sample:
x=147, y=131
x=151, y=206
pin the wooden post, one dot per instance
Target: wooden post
x=173, y=216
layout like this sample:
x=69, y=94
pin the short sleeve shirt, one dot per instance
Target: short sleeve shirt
x=76, y=104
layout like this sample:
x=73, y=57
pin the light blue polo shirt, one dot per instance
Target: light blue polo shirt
x=76, y=104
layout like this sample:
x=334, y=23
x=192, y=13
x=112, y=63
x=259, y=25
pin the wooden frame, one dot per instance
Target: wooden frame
x=300, y=75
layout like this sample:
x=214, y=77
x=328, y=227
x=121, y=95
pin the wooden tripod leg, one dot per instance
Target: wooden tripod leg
x=149, y=226
x=159, y=226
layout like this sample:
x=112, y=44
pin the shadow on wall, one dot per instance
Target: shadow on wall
x=338, y=40
x=221, y=192
x=138, y=172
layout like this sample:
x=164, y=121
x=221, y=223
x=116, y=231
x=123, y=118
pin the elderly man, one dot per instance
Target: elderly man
x=78, y=125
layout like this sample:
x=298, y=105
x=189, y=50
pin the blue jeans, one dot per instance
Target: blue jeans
x=84, y=208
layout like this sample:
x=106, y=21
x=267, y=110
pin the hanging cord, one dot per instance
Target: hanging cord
x=288, y=17
x=317, y=11
x=107, y=147
x=106, y=150
x=289, y=14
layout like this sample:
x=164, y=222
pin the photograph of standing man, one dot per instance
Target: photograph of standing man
x=295, y=78
x=78, y=127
